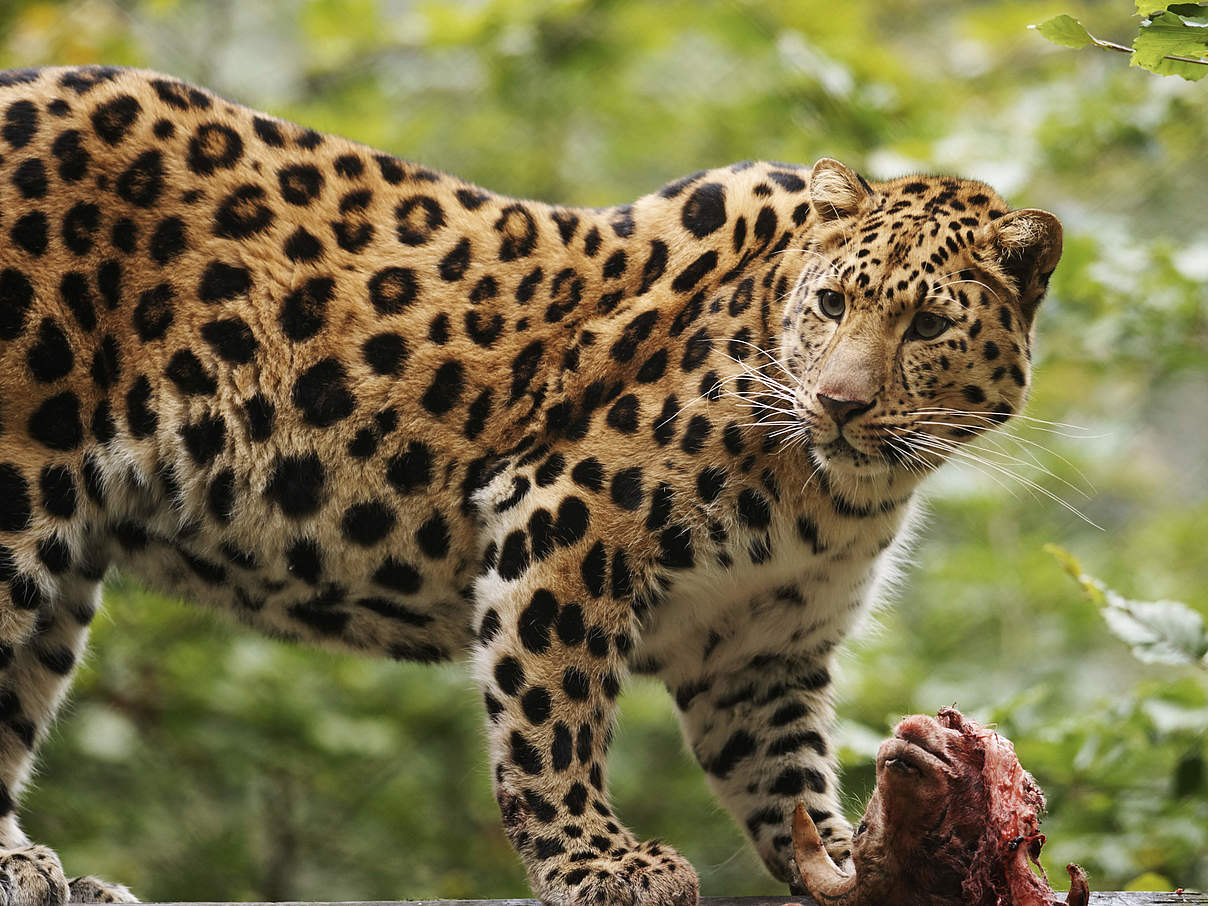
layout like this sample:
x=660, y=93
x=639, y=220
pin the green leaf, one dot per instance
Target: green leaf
x=1195, y=12
x=1066, y=31
x=1150, y=8
x=1192, y=72
x=1159, y=632
x=1168, y=34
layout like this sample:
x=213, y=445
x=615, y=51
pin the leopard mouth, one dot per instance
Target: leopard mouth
x=840, y=452
x=841, y=446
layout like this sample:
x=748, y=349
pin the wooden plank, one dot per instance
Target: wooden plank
x=1098, y=898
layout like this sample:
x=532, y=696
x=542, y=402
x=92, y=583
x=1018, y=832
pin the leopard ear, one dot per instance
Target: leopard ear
x=837, y=191
x=1023, y=246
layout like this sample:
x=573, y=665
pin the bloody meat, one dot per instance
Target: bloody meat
x=954, y=819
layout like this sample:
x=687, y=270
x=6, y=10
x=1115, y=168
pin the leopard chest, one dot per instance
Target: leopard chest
x=795, y=585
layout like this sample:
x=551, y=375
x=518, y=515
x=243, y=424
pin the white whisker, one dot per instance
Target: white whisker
x=950, y=448
x=942, y=410
x=1032, y=461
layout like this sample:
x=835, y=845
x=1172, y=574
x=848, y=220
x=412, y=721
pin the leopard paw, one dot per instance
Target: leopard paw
x=32, y=876
x=93, y=890
x=651, y=874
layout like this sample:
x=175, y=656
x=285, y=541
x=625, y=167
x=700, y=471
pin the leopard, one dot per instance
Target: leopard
x=356, y=402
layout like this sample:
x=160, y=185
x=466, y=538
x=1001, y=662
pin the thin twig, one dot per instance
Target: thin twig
x=1123, y=48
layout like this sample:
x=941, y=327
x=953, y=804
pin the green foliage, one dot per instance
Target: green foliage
x=1172, y=38
x=1171, y=43
x=1159, y=632
x=1066, y=31
x=1169, y=719
x=199, y=762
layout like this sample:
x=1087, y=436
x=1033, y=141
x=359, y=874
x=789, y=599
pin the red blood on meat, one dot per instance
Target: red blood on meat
x=1001, y=873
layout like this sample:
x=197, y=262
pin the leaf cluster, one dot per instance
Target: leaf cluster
x=1159, y=632
x=1172, y=39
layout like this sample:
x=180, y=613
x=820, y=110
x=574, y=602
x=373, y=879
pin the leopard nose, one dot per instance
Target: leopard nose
x=843, y=410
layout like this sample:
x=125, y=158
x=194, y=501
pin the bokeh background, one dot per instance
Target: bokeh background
x=199, y=762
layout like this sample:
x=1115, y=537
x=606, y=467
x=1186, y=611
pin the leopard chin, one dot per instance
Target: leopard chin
x=841, y=457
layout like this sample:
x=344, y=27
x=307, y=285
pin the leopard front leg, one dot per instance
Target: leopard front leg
x=551, y=660
x=762, y=734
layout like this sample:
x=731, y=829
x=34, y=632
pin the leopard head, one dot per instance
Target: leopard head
x=909, y=330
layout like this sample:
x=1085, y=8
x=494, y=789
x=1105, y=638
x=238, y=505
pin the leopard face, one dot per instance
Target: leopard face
x=909, y=330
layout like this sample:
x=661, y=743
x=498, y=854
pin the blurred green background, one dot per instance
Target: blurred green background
x=199, y=762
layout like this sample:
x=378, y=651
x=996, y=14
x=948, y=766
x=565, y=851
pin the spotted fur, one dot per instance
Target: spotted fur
x=357, y=402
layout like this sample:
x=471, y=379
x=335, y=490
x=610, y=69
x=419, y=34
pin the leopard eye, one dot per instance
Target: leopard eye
x=928, y=326
x=831, y=303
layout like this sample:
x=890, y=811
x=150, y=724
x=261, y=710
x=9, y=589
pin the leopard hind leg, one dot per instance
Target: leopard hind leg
x=49, y=593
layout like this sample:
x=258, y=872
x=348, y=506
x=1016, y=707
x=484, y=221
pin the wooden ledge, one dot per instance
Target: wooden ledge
x=1106, y=898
